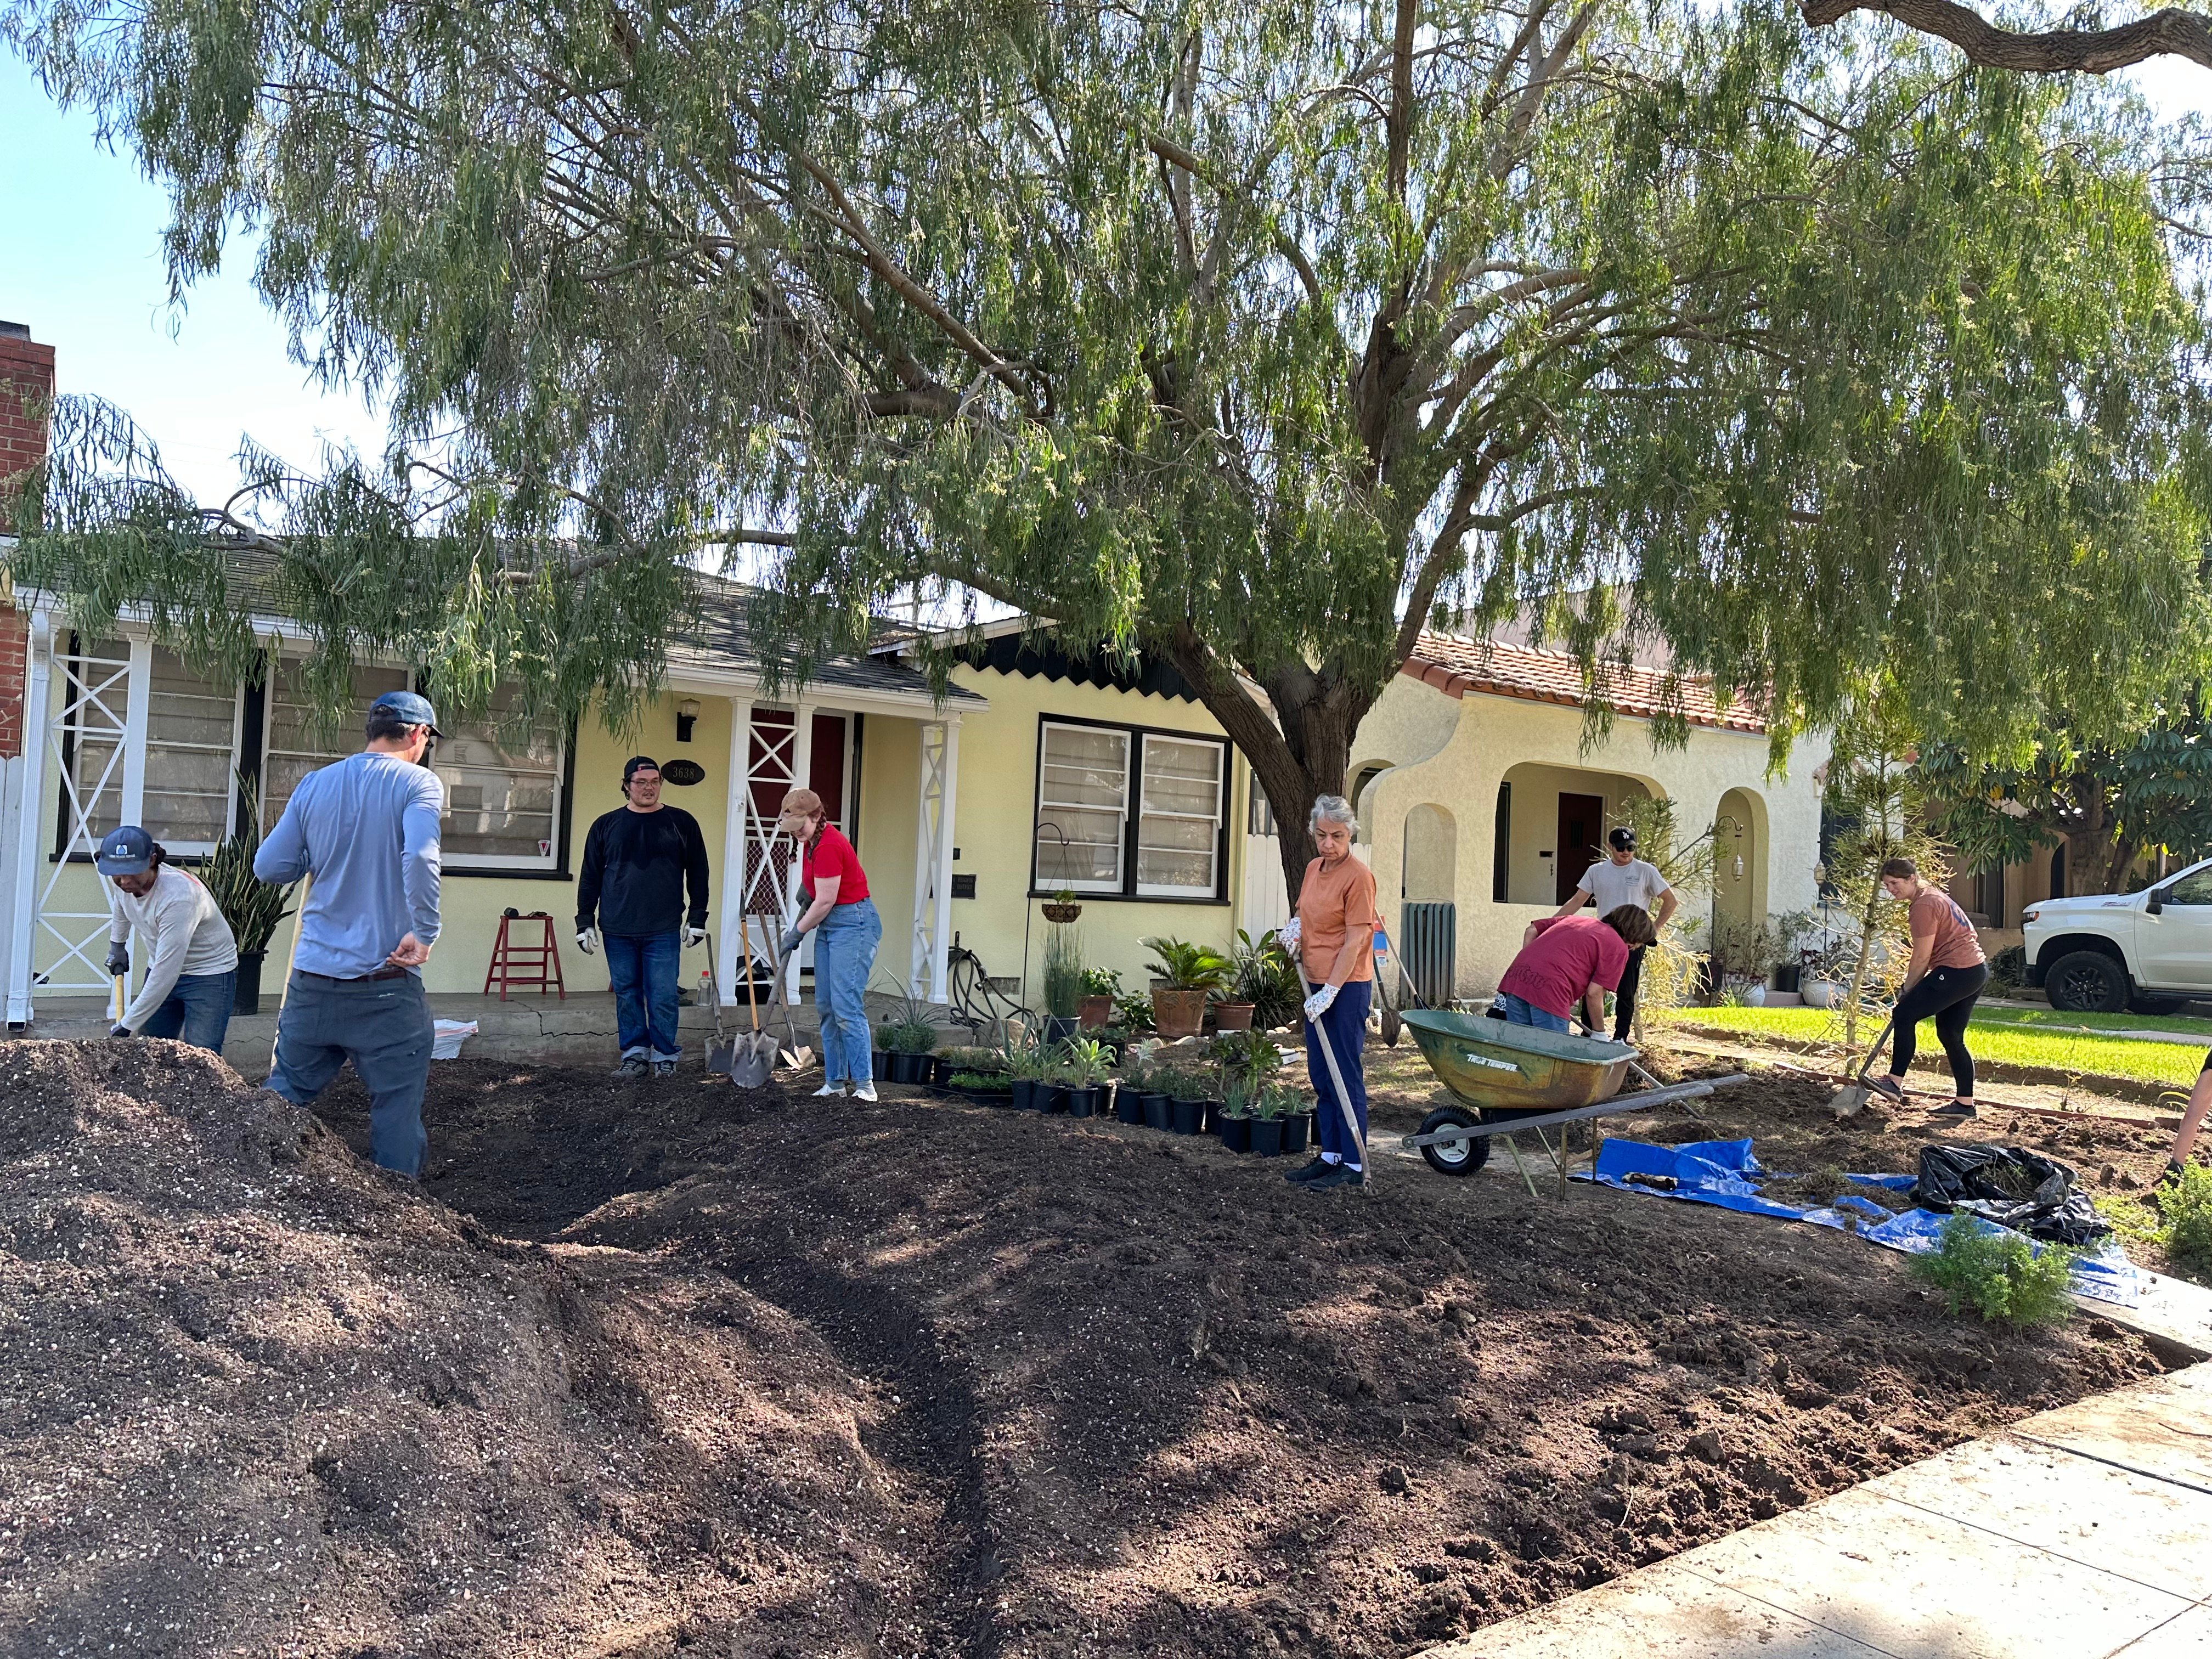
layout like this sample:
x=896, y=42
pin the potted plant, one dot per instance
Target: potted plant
x=1061, y=908
x=1236, y=1115
x=984, y=1088
x=1262, y=974
x=959, y=1057
x=1298, y=1122
x=1132, y=1012
x=1086, y=1063
x=1094, y=1011
x=1129, y=1092
x=1269, y=1108
x=1063, y=982
x=1052, y=1089
x=909, y=1039
x=1188, y=1100
x=1158, y=1102
x=252, y=906
x=1184, y=975
x=1025, y=1072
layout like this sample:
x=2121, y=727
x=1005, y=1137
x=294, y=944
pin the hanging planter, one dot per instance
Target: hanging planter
x=1060, y=911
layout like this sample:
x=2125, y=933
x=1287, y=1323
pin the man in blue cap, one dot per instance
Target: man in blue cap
x=192, y=957
x=365, y=830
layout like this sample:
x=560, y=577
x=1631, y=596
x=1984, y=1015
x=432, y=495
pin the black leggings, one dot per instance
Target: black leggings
x=1949, y=993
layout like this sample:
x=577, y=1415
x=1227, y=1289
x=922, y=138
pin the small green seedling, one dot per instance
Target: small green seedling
x=1999, y=1275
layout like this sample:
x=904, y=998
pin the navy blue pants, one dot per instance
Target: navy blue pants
x=196, y=1011
x=1344, y=1028
x=384, y=1027
x=644, y=969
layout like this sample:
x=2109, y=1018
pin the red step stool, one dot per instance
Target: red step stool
x=522, y=964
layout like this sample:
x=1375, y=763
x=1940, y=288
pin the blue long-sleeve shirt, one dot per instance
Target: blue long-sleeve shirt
x=366, y=828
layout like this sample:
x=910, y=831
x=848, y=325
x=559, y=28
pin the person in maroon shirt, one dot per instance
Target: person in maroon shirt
x=1570, y=959
x=846, y=930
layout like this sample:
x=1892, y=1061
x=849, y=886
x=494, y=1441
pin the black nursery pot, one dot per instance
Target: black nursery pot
x=1083, y=1103
x=1128, y=1105
x=1158, y=1110
x=911, y=1069
x=1025, y=1095
x=880, y=1065
x=1189, y=1116
x=245, y=997
x=1211, y=1124
x=1267, y=1137
x=1236, y=1134
x=1056, y=1096
x=941, y=1071
x=1296, y=1131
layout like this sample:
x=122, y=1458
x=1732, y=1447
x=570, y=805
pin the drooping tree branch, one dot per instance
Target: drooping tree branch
x=2168, y=33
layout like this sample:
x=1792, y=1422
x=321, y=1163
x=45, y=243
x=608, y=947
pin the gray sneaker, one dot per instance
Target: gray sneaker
x=632, y=1066
x=664, y=1068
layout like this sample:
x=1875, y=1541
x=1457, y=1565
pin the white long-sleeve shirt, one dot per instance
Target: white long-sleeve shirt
x=180, y=932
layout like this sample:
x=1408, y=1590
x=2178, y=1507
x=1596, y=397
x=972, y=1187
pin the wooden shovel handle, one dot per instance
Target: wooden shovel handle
x=745, y=934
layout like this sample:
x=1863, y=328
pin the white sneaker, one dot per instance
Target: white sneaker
x=830, y=1091
x=864, y=1092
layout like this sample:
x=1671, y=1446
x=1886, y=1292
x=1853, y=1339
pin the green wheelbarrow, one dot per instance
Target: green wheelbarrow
x=1508, y=1078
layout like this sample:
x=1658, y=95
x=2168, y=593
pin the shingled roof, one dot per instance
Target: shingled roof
x=1459, y=666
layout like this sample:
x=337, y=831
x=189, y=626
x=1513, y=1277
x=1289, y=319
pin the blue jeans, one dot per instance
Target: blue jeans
x=643, y=970
x=196, y=1011
x=1521, y=1012
x=844, y=956
x=1342, y=1027
x=383, y=1026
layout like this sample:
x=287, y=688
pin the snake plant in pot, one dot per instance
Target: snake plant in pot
x=909, y=1039
x=1236, y=1115
x=252, y=906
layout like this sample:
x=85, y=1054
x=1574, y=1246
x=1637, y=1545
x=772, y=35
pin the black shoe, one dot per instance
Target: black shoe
x=1959, y=1109
x=1886, y=1088
x=1339, y=1175
x=1312, y=1171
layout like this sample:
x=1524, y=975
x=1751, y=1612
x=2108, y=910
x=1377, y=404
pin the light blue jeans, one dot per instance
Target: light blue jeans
x=1521, y=1011
x=844, y=956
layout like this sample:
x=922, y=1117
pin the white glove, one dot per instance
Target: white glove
x=1290, y=934
x=587, y=939
x=692, y=936
x=1318, y=1003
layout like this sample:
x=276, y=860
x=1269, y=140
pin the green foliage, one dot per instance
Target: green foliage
x=2009, y=968
x=2127, y=799
x=1206, y=334
x=981, y=1082
x=1237, y=1097
x=913, y=1029
x=252, y=906
x=1279, y=1100
x=1186, y=966
x=1102, y=983
x=1670, y=967
x=1084, y=1061
x=1063, y=970
x=968, y=1057
x=2000, y=1275
x=1133, y=1010
x=1262, y=974
x=1249, y=1054
x=2186, y=1208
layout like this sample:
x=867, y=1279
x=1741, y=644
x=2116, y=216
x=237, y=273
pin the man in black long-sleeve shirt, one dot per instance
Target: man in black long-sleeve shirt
x=638, y=859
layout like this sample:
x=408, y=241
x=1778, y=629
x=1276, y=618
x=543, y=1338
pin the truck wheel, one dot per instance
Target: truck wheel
x=1453, y=1157
x=2156, y=1007
x=2088, y=983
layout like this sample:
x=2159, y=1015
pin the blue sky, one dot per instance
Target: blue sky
x=81, y=264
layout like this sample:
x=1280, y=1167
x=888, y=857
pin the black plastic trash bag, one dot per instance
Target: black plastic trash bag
x=2012, y=1187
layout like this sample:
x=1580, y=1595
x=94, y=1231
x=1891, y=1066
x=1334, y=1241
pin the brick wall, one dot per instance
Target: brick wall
x=27, y=381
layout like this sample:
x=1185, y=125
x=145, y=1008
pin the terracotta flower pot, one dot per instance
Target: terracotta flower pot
x=1093, y=1013
x=1233, y=1016
x=1177, y=1014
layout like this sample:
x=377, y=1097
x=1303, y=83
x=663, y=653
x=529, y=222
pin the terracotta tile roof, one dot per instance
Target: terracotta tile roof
x=1456, y=666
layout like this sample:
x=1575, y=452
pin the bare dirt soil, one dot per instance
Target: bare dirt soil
x=688, y=1369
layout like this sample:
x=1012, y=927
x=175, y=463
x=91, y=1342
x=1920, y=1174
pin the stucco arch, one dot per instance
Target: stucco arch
x=1431, y=873
x=1741, y=853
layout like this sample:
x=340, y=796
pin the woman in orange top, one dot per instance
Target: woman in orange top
x=1946, y=973
x=1333, y=934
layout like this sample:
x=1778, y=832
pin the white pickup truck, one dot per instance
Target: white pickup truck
x=2110, y=953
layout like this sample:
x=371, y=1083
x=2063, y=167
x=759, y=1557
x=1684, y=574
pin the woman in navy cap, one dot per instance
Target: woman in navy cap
x=192, y=957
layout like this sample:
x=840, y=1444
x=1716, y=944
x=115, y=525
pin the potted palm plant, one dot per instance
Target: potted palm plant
x=1183, y=976
x=252, y=906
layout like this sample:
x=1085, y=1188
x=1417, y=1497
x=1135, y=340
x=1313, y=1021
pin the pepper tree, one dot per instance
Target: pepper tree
x=1255, y=338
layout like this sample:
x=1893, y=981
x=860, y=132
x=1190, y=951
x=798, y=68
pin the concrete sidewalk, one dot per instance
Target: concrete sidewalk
x=2084, y=1533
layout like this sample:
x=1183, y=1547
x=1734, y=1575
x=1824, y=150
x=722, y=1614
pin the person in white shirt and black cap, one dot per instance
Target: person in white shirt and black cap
x=1621, y=877
x=191, y=956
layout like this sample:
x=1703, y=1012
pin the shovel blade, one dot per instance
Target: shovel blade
x=1850, y=1101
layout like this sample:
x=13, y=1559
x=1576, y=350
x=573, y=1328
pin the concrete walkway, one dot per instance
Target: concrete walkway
x=2084, y=1533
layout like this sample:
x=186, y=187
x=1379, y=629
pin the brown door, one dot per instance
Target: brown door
x=1581, y=817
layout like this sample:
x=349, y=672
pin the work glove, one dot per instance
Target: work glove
x=118, y=957
x=587, y=939
x=1290, y=934
x=692, y=936
x=120, y=1031
x=1318, y=1003
x=790, y=943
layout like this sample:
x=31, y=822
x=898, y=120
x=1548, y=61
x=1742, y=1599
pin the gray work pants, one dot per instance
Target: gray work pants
x=384, y=1027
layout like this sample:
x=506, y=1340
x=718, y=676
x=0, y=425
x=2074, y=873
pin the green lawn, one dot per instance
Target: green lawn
x=1998, y=1035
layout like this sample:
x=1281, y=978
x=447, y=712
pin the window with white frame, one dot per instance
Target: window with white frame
x=1124, y=811
x=503, y=778
x=191, y=750
x=294, y=745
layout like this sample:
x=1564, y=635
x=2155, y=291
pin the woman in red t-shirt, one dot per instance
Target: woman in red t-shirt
x=846, y=929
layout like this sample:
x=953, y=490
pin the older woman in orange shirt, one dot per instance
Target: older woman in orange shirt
x=1333, y=934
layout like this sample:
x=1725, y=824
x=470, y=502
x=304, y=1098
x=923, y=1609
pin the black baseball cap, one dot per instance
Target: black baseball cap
x=1622, y=840
x=636, y=764
x=411, y=708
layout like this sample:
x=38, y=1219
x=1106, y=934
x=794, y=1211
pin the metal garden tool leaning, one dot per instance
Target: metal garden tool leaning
x=743, y=1060
x=1851, y=1100
x=796, y=1056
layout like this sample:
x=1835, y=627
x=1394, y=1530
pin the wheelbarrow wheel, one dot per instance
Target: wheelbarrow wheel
x=1455, y=1157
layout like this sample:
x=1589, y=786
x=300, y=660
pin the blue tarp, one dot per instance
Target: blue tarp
x=1725, y=1173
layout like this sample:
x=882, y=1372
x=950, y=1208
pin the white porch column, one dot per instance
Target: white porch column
x=30, y=797
x=135, y=713
x=737, y=810
x=932, y=857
